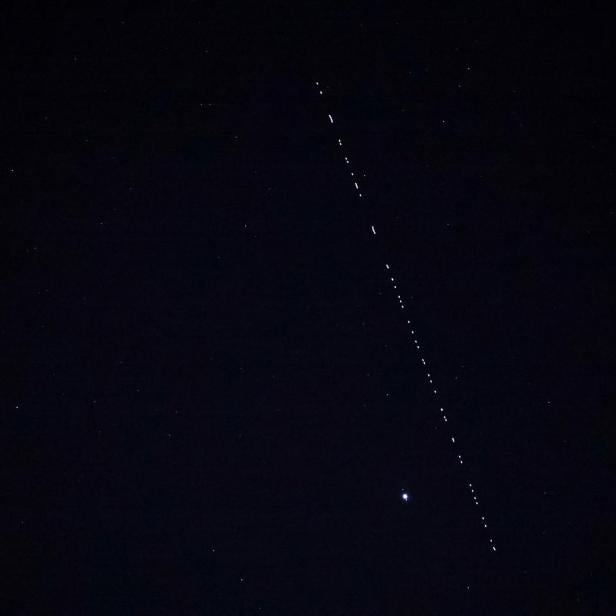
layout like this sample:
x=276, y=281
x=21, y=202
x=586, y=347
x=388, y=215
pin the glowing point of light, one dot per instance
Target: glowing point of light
x=373, y=231
x=330, y=118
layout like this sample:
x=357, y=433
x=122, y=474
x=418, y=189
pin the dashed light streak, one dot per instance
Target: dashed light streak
x=460, y=460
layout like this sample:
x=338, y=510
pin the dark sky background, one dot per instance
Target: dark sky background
x=211, y=404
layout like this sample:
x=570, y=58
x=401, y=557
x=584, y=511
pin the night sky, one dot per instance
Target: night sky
x=212, y=403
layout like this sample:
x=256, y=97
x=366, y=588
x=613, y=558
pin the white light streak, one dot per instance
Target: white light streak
x=405, y=497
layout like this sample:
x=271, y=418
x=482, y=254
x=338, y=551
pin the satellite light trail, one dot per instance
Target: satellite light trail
x=413, y=337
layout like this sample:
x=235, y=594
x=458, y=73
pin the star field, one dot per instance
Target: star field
x=307, y=312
